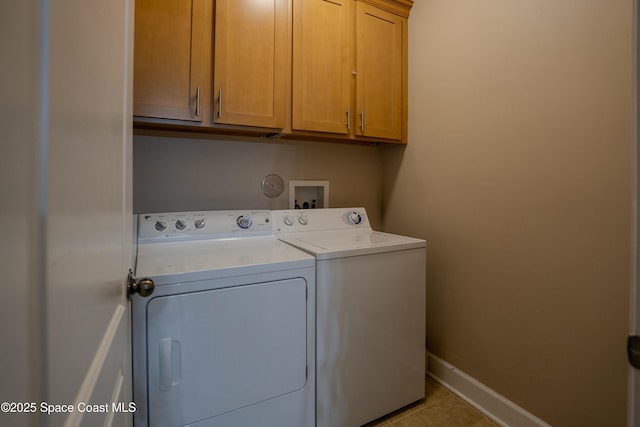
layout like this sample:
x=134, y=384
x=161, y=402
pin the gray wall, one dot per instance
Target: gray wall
x=518, y=175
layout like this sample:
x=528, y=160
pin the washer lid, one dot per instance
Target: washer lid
x=345, y=243
x=176, y=262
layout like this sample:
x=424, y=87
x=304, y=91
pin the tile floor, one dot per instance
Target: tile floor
x=440, y=408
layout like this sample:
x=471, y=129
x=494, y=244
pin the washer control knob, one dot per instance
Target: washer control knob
x=288, y=220
x=160, y=225
x=244, y=222
x=303, y=220
x=200, y=223
x=181, y=224
x=354, y=218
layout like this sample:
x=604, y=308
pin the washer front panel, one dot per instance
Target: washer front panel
x=369, y=335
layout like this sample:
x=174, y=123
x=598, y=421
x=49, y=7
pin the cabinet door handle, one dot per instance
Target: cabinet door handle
x=219, y=102
x=362, y=120
x=198, y=101
x=349, y=117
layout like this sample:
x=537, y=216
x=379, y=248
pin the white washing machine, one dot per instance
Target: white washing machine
x=227, y=338
x=370, y=313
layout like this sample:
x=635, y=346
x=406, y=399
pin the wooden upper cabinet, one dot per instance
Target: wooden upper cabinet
x=250, y=65
x=322, y=62
x=316, y=69
x=380, y=68
x=170, y=48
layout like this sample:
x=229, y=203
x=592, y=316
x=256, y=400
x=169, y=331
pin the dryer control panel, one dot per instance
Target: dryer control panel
x=297, y=220
x=156, y=227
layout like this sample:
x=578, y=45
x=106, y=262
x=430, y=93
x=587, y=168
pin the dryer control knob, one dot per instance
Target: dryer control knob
x=354, y=218
x=303, y=220
x=160, y=225
x=200, y=223
x=244, y=222
x=181, y=224
x=288, y=220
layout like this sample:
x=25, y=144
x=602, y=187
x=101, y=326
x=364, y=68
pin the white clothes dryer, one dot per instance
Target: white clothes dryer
x=370, y=313
x=227, y=338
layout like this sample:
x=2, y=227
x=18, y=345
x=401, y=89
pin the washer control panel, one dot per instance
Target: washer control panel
x=298, y=220
x=157, y=227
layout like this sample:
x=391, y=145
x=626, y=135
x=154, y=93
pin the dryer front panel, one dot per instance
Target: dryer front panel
x=216, y=351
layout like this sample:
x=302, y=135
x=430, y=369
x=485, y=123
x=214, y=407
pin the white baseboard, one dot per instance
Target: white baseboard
x=493, y=405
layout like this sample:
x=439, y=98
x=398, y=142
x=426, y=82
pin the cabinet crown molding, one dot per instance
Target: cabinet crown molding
x=398, y=7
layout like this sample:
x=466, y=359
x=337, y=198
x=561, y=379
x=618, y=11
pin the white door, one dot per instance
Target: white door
x=634, y=374
x=65, y=187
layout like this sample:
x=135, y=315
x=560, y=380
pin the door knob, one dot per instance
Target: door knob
x=143, y=287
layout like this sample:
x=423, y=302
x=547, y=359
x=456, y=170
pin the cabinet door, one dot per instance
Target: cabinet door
x=379, y=72
x=321, y=65
x=169, y=69
x=250, y=62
